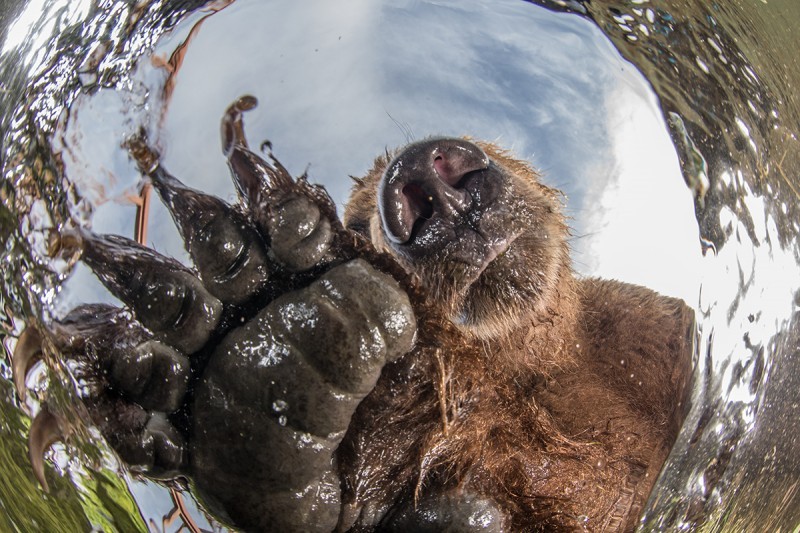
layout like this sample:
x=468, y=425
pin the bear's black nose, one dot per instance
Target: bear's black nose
x=425, y=182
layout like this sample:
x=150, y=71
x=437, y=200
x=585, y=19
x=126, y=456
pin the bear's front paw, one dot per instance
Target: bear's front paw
x=244, y=372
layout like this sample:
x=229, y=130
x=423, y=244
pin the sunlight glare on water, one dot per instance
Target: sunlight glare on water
x=43, y=19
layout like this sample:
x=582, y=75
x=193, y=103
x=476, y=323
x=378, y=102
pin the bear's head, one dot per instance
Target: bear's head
x=474, y=224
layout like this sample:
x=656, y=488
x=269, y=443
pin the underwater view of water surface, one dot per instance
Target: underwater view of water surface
x=670, y=126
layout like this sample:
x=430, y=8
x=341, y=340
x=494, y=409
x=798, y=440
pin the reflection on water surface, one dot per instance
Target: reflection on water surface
x=340, y=83
x=724, y=76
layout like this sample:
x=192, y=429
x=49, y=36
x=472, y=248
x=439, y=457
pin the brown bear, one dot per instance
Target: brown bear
x=560, y=398
x=432, y=365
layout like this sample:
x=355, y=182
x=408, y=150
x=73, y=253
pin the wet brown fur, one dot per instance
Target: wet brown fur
x=561, y=408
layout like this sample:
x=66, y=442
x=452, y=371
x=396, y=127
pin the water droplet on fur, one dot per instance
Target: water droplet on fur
x=279, y=406
x=282, y=420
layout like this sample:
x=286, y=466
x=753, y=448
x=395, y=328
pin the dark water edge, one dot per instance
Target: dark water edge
x=734, y=123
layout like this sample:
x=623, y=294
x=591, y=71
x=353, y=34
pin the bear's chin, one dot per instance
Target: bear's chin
x=506, y=292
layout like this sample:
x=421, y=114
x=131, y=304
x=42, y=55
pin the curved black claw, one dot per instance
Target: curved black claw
x=257, y=180
x=233, y=125
x=130, y=384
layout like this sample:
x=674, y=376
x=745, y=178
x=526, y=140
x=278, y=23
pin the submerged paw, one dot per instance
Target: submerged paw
x=128, y=381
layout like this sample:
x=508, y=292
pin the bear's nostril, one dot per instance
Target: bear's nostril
x=447, y=171
x=419, y=202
